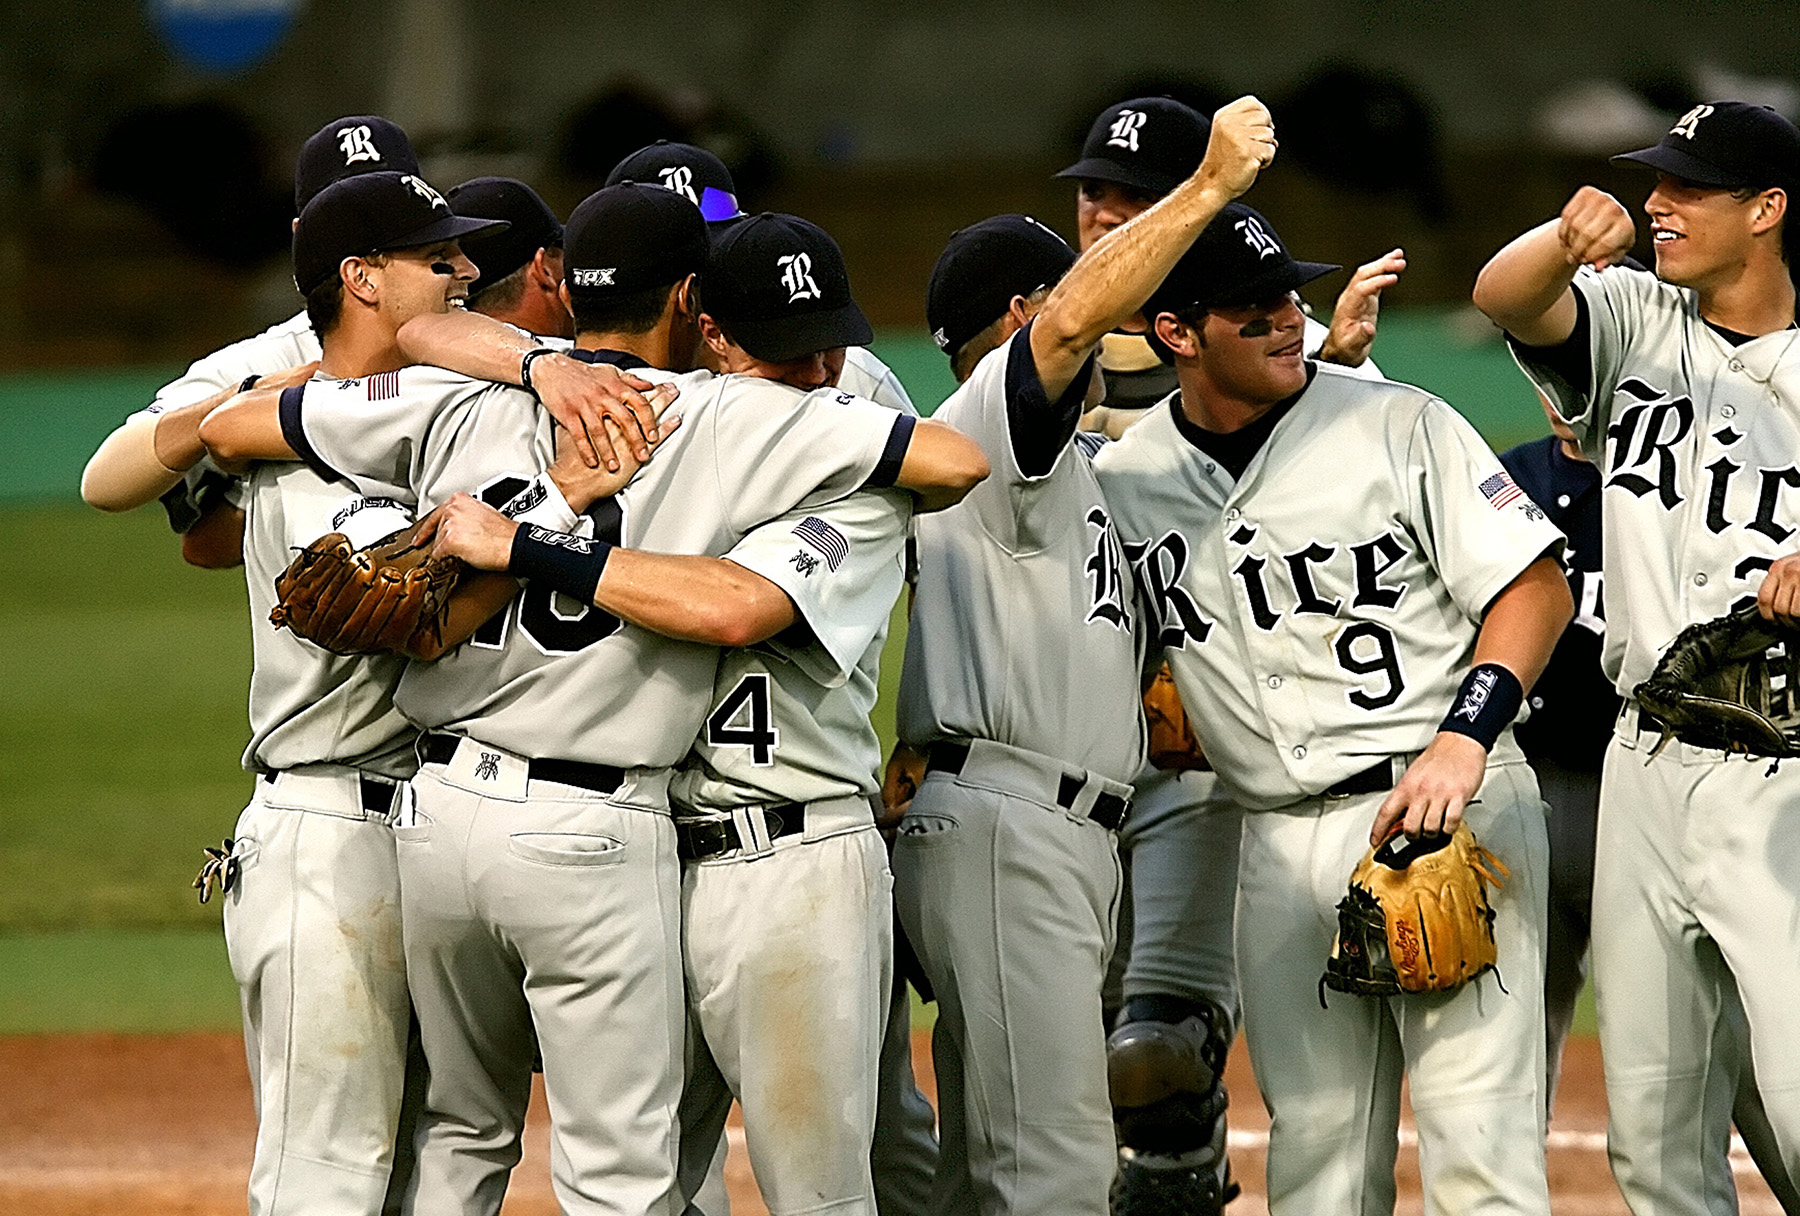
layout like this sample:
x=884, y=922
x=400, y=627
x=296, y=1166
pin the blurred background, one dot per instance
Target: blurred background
x=146, y=151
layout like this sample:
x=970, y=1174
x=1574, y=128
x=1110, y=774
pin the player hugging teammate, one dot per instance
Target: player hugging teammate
x=612, y=806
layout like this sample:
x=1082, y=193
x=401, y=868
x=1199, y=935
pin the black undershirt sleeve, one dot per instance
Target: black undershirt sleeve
x=1571, y=360
x=893, y=454
x=289, y=412
x=1039, y=427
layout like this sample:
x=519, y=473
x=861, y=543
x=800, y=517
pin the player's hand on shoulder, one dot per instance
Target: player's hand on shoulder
x=1353, y=320
x=1242, y=145
x=1778, y=599
x=1595, y=229
x=582, y=397
x=583, y=484
x=468, y=528
x=1436, y=787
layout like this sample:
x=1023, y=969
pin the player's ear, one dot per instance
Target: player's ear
x=546, y=265
x=1176, y=334
x=562, y=293
x=1020, y=310
x=357, y=279
x=1771, y=209
x=684, y=296
x=712, y=335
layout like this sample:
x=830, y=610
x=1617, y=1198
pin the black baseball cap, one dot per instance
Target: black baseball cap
x=369, y=213
x=778, y=286
x=531, y=225
x=1728, y=145
x=982, y=268
x=360, y=143
x=1237, y=259
x=631, y=237
x=694, y=173
x=1151, y=144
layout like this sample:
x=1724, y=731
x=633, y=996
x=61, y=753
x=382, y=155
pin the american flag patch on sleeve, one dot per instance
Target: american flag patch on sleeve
x=384, y=386
x=1501, y=491
x=826, y=539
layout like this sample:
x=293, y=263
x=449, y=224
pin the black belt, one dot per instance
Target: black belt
x=600, y=778
x=377, y=795
x=698, y=839
x=1108, y=810
x=1377, y=777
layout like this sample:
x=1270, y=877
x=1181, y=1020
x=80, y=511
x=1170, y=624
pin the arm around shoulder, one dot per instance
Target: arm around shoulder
x=941, y=465
x=245, y=429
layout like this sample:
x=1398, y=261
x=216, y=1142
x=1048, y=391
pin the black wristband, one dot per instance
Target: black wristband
x=525, y=367
x=569, y=564
x=249, y=382
x=1485, y=705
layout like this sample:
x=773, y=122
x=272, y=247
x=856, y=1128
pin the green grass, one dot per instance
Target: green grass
x=123, y=720
x=116, y=980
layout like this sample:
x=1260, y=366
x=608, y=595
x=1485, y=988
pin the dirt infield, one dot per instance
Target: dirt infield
x=123, y=1125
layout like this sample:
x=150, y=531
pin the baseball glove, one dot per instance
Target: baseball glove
x=1172, y=741
x=1417, y=918
x=365, y=600
x=1729, y=683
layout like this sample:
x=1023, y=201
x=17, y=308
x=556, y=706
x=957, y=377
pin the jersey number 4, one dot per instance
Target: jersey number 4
x=552, y=622
x=748, y=706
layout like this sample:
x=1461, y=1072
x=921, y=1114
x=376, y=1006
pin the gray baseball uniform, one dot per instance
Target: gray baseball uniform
x=1318, y=611
x=1176, y=933
x=1696, y=892
x=552, y=731
x=1007, y=875
x=798, y=915
x=312, y=927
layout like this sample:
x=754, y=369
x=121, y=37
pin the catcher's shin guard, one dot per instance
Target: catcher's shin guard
x=1168, y=1094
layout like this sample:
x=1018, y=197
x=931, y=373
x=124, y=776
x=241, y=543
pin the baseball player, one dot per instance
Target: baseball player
x=906, y=1148
x=702, y=178
x=312, y=920
x=551, y=733
x=1021, y=686
x=1681, y=390
x=1172, y=989
x=1324, y=555
x=522, y=265
x=786, y=892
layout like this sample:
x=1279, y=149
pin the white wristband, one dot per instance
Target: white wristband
x=542, y=503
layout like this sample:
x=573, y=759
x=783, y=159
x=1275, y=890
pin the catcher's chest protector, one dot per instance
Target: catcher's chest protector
x=1416, y=918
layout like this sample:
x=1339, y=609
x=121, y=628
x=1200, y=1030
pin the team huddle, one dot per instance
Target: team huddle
x=612, y=806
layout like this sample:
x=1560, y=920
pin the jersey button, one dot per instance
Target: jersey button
x=1729, y=411
x=1736, y=365
x=1562, y=500
x=1700, y=579
x=1300, y=752
x=1234, y=514
x=1274, y=681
